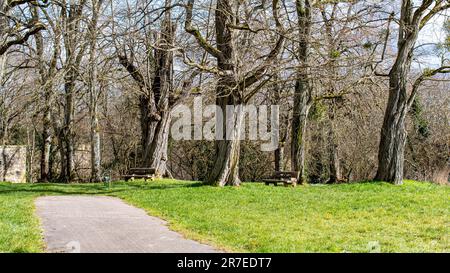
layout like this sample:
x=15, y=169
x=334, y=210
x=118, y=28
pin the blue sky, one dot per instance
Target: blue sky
x=431, y=34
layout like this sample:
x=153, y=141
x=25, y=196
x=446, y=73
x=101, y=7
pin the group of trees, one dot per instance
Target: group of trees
x=103, y=76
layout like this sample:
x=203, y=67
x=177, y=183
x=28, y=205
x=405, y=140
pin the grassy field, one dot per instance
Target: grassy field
x=255, y=218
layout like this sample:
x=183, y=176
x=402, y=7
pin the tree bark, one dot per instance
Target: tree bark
x=46, y=73
x=155, y=105
x=230, y=91
x=149, y=122
x=3, y=116
x=96, y=169
x=302, y=105
x=94, y=91
x=3, y=22
x=72, y=17
x=31, y=138
x=62, y=155
x=156, y=149
x=46, y=139
x=393, y=133
x=333, y=151
x=68, y=132
x=157, y=155
x=283, y=132
x=302, y=92
x=225, y=170
x=279, y=155
x=334, y=51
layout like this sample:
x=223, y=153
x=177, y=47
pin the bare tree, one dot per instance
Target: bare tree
x=47, y=69
x=90, y=86
x=233, y=88
x=94, y=91
x=74, y=49
x=157, y=94
x=393, y=133
x=303, y=93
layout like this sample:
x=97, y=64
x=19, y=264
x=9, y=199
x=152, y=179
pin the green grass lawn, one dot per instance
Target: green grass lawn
x=255, y=218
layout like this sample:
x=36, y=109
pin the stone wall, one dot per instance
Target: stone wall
x=13, y=164
x=82, y=158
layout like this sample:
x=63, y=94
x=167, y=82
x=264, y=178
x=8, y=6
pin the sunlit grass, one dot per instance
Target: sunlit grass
x=256, y=218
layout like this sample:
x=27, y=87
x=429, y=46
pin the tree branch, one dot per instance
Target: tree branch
x=22, y=39
x=425, y=76
x=437, y=8
x=196, y=33
x=262, y=69
x=133, y=71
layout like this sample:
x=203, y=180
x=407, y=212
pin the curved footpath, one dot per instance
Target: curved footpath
x=107, y=225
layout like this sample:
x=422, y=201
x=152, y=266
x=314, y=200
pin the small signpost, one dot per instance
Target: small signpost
x=107, y=179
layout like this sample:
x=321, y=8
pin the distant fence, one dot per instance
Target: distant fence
x=13, y=164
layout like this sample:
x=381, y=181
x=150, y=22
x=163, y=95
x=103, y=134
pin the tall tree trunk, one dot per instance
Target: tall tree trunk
x=3, y=117
x=333, y=151
x=3, y=34
x=149, y=123
x=95, y=147
x=96, y=170
x=279, y=152
x=157, y=156
x=68, y=132
x=393, y=133
x=3, y=22
x=302, y=92
x=46, y=139
x=162, y=85
x=333, y=52
x=93, y=96
x=30, y=155
x=51, y=162
x=62, y=155
x=149, y=118
x=279, y=155
x=302, y=105
x=225, y=171
x=46, y=85
x=72, y=17
x=3, y=60
x=155, y=105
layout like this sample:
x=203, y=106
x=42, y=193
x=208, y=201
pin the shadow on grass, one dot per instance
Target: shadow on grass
x=50, y=189
x=162, y=185
x=92, y=189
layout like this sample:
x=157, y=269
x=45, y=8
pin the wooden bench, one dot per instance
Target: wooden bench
x=287, y=178
x=140, y=173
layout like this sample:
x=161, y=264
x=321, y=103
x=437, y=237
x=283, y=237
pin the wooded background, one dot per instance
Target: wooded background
x=88, y=86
